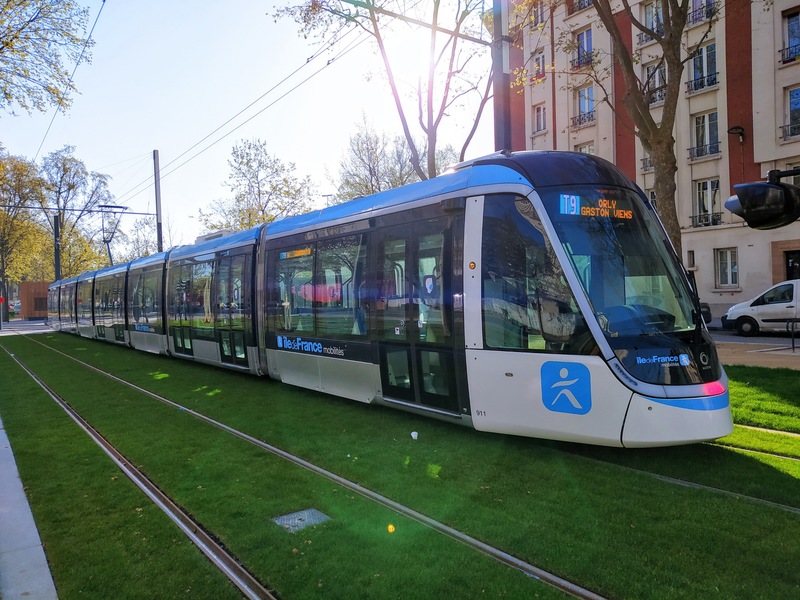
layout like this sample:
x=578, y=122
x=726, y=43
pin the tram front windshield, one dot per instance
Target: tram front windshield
x=631, y=275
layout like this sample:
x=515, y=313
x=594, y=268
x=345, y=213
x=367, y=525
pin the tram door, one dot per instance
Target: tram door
x=181, y=325
x=231, y=309
x=413, y=323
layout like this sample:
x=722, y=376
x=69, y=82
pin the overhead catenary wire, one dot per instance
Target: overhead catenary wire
x=143, y=185
x=77, y=63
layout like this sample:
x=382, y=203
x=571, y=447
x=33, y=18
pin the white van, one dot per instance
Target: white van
x=770, y=311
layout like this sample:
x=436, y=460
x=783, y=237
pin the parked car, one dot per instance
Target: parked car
x=769, y=311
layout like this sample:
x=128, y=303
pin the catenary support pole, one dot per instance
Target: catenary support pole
x=157, y=177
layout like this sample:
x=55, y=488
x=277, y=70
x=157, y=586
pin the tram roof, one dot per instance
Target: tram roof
x=537, y=169
x=86, y=275
x=145, y=261
x=233, y=240
x=112, y=270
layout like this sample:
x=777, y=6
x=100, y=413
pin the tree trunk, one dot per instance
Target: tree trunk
x=665, y=166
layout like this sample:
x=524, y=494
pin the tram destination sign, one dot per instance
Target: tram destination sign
x=608, y=208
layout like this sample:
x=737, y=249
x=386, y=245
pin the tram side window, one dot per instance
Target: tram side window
x=527, y=304
x=200, y=305
x=293, y=294
x=339, y=286
x=85, y=302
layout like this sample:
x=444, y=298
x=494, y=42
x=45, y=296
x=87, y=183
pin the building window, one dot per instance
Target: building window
x=726, y=267
x=708, y=206
x=585, y=148
x=583, y=49
x=539, y=118
x=584, y=101
x=651, y=196
x=704, y=69
x=791, y=126
x=653, y=20
x=537, y=15
x=647, y=162
x=791, y=37
x=706, y=136
x=539, y=68
x=656, y=83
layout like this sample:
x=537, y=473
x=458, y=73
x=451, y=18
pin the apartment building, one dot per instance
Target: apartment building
x=738, y=116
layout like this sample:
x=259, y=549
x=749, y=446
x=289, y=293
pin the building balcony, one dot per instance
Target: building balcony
x=706, y=219
x=790, y=131
x=645, y=38
x=701, y=83
x=583, y=60
x=790, y=53
x=577, y=5
x=704, y=13
x=704, y=151
x=582, y=120
x=657, y=95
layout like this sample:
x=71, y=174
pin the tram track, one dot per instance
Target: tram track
x=389, y=503
x=570, y=588
x=529, y=570
x=245, y=581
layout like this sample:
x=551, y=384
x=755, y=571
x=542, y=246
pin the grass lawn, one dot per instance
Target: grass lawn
x=595, y=516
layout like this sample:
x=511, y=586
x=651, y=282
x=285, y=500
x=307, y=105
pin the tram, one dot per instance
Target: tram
x=533, y=293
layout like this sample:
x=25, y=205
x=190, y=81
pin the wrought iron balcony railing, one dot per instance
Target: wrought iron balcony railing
x=701, y=83
x=706, y=219
x=577, y=6
x=702, y=151
x=583, y=119
x=790, y=131
x=704, y=13
x=583, y=60
x=790, y=53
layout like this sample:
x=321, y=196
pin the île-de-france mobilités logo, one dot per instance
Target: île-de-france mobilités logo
x=566, y=387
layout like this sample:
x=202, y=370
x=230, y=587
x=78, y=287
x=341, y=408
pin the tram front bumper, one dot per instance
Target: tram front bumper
x=675, y=421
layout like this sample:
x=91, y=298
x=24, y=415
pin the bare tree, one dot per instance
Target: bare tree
x=264, y=188
x=449, y=77
x=654, y=69
x=71, y=194
x=373, y=163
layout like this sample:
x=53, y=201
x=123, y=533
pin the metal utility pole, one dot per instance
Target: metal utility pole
x=501, y=76
x=157, y=177
x=57, y=247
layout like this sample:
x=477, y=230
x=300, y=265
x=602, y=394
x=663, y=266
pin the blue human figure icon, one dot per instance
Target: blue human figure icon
x=566, y=387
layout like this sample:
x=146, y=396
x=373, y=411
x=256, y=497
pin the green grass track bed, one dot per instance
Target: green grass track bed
x=594, y=516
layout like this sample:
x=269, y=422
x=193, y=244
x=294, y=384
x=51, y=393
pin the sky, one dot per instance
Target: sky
x=173, y=75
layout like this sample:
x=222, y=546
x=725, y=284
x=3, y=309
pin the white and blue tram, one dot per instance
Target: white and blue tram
x=533, y=293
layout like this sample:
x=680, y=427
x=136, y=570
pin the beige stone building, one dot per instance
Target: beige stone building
x=738, y=116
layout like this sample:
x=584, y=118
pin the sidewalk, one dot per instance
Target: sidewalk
x=24, y=572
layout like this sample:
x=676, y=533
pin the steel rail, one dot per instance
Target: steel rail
x=526, y=568
x=214, y=551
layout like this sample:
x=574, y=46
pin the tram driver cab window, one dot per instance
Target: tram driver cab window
x=527, y=304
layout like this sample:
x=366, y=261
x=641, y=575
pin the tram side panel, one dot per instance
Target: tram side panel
x=85, y=305
x=316, y=334
x=109, y=304
x=211, y=302
x=144, y=304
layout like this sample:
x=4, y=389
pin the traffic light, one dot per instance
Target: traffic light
x=766, y=205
